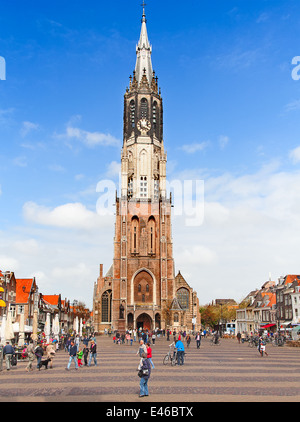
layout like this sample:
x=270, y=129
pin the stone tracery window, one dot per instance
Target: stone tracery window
x=144, y=108
x=183, y=297
x=106, y=306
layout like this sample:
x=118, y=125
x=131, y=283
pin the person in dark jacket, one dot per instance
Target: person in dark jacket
x=39, y=354
x=85, y=354
x=93, y=353
x=73, y=356
x=146, y=368
x=8, y=352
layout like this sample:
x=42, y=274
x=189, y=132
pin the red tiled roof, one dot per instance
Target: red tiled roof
x=51, y=299
x=290, y=278
x=23, y=287
x=271, y=297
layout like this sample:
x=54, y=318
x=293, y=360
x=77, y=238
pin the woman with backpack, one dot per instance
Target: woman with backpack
x=144, y=369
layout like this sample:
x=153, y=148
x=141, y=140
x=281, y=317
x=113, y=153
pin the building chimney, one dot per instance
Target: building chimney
x=101, y=270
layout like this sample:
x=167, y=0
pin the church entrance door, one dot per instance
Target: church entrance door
x=144, y=321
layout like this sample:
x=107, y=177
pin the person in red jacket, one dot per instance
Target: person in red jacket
x=149, y=354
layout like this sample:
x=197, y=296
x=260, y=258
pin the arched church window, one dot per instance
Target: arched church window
x=147, y=288
x=151, y=235
x=155, y=118
x=156, y=189
x=134, y=235
x=143, y=298
x=144, y=108
x=106, y=306
x=183, y=297
x=139, y=288
x=132, y=113
x=176, y=317
x=130, y=187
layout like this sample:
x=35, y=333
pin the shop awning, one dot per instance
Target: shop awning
x=267, y=326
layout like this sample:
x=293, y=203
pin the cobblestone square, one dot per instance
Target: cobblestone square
x=230, y=372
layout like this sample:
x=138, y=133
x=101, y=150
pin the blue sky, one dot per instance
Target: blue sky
x=231, y=118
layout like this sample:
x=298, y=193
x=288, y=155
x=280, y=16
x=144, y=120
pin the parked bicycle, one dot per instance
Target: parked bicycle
x=215, y=342
x=253, y=342
x=278, y=341
x=171, y=357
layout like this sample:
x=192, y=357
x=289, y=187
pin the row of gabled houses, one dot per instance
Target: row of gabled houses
x=32, y=312
x=276, y=306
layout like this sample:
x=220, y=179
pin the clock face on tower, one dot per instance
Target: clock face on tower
x=144, y=126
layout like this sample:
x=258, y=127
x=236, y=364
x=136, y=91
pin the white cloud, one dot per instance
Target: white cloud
x=27, y=247
x=263, y=17
x=79, y=177
x=20, y=161
x=57, y=168
x=192, y=148
x=7, y=263
x=28, y=127
x=196, y=255
x=72, y=215
x=292, y=106
x=250, y=229
x=295, y=155
x=90, y=139
x=223, y=141
x=114, y=169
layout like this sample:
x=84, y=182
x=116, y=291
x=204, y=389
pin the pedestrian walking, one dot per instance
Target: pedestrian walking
x=79, y=357
x=238, y=336
x=180, y=352
x=39, y=352
x=93, y=353
x=73, y=356
x=149, y=354
x=142, y=348
x=188, y=340
x=198, y=340
x=77, y=342
x=144, y=369
x=50, y=353
x=68, y=344
x=8, y=352
x=30, y=352
x=85, y=354
x=262, y=347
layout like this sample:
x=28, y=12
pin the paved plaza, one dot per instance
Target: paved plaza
x=230, y=372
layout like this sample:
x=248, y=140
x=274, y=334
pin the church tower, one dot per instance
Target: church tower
x=139, y=290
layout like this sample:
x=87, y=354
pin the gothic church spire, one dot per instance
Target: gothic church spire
x=143, y=52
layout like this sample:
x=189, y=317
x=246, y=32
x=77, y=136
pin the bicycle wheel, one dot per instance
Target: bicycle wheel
x=166, y=360
x=174, y=361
